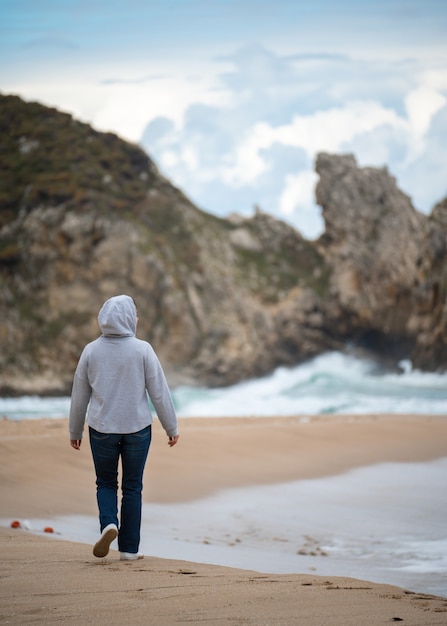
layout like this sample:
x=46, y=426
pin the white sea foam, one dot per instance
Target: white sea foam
x=34, y=407
x=331, y=383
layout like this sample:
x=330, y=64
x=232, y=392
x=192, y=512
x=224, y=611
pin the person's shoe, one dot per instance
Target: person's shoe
x=131, y=556
x=101, y=547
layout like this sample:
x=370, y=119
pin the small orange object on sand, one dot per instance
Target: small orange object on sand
x=15, y=524
x=48, y=529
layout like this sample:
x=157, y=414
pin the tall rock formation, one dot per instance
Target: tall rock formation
x=389, y=264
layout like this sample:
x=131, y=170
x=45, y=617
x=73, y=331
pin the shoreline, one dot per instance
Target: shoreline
x=42, y=477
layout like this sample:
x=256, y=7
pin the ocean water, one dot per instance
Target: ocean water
x=329, y=384
x=383, y=523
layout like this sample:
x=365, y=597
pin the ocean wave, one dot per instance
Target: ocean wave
x=332, y=383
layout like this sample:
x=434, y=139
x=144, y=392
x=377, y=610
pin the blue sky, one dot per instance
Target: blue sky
x=234, y=98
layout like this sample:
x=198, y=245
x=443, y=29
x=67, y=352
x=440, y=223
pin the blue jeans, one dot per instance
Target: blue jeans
x=133, y=449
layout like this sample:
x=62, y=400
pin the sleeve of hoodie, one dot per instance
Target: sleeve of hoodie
x=80, y=397
x=159, y=393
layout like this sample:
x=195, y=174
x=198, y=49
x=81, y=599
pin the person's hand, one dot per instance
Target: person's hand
x=173, y=440
x=75, y=443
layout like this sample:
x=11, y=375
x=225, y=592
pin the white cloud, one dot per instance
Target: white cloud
x=190, y=158
x=298, y=192
x=297, y=204
x=169, y=159
x=129, y=107
x=435, y=79
x=248, y=164
x=421, y=104
x=326, y=130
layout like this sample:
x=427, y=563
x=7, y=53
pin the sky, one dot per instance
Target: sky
x=233, y=99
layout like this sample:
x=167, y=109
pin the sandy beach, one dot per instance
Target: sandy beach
x=47, y=581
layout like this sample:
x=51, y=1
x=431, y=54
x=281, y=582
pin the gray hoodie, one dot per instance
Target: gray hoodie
x=115, y=374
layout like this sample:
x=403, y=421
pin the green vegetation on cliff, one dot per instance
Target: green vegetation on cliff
x=49, y=158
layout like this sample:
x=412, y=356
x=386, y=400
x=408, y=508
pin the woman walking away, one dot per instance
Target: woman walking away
x=114, y=376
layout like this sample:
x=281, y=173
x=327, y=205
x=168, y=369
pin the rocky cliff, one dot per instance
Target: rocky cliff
x=85, y=215
x=389, y=262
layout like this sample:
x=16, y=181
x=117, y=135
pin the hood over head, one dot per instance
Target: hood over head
x=118, y=317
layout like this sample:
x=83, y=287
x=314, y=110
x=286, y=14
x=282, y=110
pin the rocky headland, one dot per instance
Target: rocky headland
x=85, y=215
